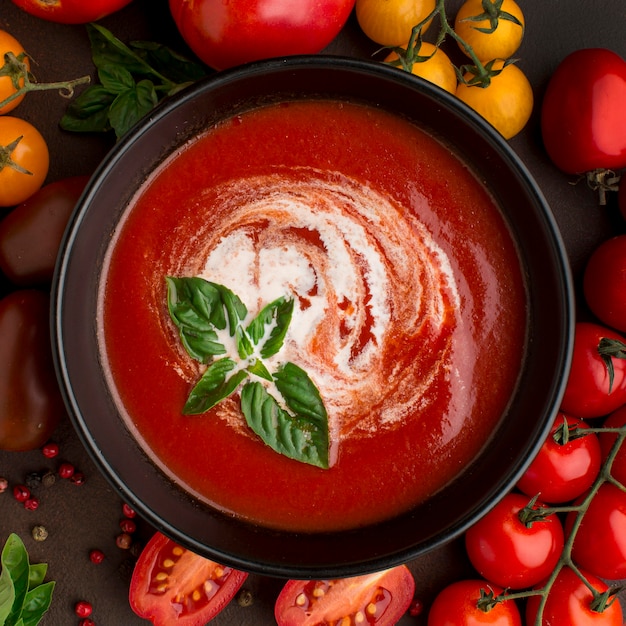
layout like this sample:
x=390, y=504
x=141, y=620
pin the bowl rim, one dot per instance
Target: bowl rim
x=280, y=565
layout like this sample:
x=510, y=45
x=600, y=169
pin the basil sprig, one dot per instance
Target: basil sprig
x=210, y=319
x=132, y=78
x=24, y=596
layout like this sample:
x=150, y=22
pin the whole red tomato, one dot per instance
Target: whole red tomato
x=600, y=543
x=565, y=468
x=31, y=233
x=458, y=604
x=510, y=551
x=582, y=113
x=571, y=603
x=377, y=599
x=30, y=401
x=617, y=419
x=225, y=34
x=591, y=391
x=174, y=586
x=604, y=282
x=71, y=11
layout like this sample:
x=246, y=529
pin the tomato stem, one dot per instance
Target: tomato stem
x=18, y=71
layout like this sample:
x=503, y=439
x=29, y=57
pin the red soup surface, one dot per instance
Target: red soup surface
x=410, y=309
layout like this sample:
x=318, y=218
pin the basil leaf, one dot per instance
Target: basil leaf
x=214, y=386
x=235, y=308
x=169, y=63
x=116, y=79
x=36, y=574
x=14, y=560
x=258, y=368
x=195, y=306
x=296, y=437
x=36, y=603
x=275, y=317
x=132, y=105
x=89, y=112
x=7, y=594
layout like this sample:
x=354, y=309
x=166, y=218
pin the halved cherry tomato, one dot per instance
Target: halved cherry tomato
x=24, y=160
x=174, y=586
x=30, y=401
x=71, y=11
x=225, y=34
x=458, y=605
x=582, y=113
x=31, y=233
x=510, y=552
x=378, y=599
x=589, y=391
x=564, y=469
x=600, y=543
x=9, y=69
x=570, y=603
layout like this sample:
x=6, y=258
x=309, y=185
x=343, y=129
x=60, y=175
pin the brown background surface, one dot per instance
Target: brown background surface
x=81, y=518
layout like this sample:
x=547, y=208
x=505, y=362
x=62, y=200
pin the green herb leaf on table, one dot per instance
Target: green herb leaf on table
x=210, y=319
x=133, y=79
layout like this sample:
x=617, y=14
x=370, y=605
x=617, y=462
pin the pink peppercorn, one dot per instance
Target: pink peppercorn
x=96, y=556
x=50, y=450
x=66, y=470
x=32, y=503
x=21, y=493
x=77, y=478
x=83, y=609
x=86, y=622
x=128, y=526
x=128, y=511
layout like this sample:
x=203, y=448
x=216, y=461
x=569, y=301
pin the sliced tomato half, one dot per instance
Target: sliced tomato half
x=379, y=599
x=172, y=585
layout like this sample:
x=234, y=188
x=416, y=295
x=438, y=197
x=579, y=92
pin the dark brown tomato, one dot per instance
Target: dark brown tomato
x=31, y=233
x=30, y=401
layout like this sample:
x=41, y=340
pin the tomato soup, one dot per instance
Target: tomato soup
x=410, y=312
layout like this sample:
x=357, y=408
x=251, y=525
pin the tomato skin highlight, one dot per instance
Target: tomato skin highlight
x=226, y=34
x=563, y=471
x=569, y=603
x=456, y=605
x=587, y=389
x=31, y=404
x=330, y=601
x=31, y=233
x=582, y=113
x=71, y=11
x=165, y=577
x=506, y=552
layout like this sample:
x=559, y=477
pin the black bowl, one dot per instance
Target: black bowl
x=301, y=555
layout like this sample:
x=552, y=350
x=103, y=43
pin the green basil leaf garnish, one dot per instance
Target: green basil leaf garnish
x=214, y=386
x=89, y=112
x=293, y=436
x=36, y=574
x=36, y=603
x=131, y=105
x=296, y=423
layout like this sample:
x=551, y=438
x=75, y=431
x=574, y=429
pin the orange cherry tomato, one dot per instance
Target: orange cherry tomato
x=9, y=67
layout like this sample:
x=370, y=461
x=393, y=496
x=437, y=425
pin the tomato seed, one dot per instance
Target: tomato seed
x=96, y=556
x=21, y=493
x=50, y=450
x=83, y=609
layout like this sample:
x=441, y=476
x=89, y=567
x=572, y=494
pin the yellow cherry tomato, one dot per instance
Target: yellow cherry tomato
x=390, y=22
x=506, y=103
x=24, y=160
x=496, y=34
x=437, y=69
x=8, y=43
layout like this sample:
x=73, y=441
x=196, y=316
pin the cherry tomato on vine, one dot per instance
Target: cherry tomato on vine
x=10, y=68
x=563, y=469
x=390, y=22
x=378, y=599
x=71, y=11
x=506, y=103
x=174, y=586
x=589, y=391
x=24, y=160
x=492, y=28
x=617, y=419
x=30, y=401
x=31, y=233
x=600, y=543
x=582, y=113
x=510, y=550
x=604, y=282
x=437, y=68
x=458, y=604
x=571, y=603
x=225, y=34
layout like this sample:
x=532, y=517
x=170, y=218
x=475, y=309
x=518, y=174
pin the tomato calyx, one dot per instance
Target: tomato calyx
x=492, y=11
x=488, y=600
x=24, y=82
x=603, y=181
x=6, y=157
x=532, y=514
x=610, y=349
x=603, y=600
